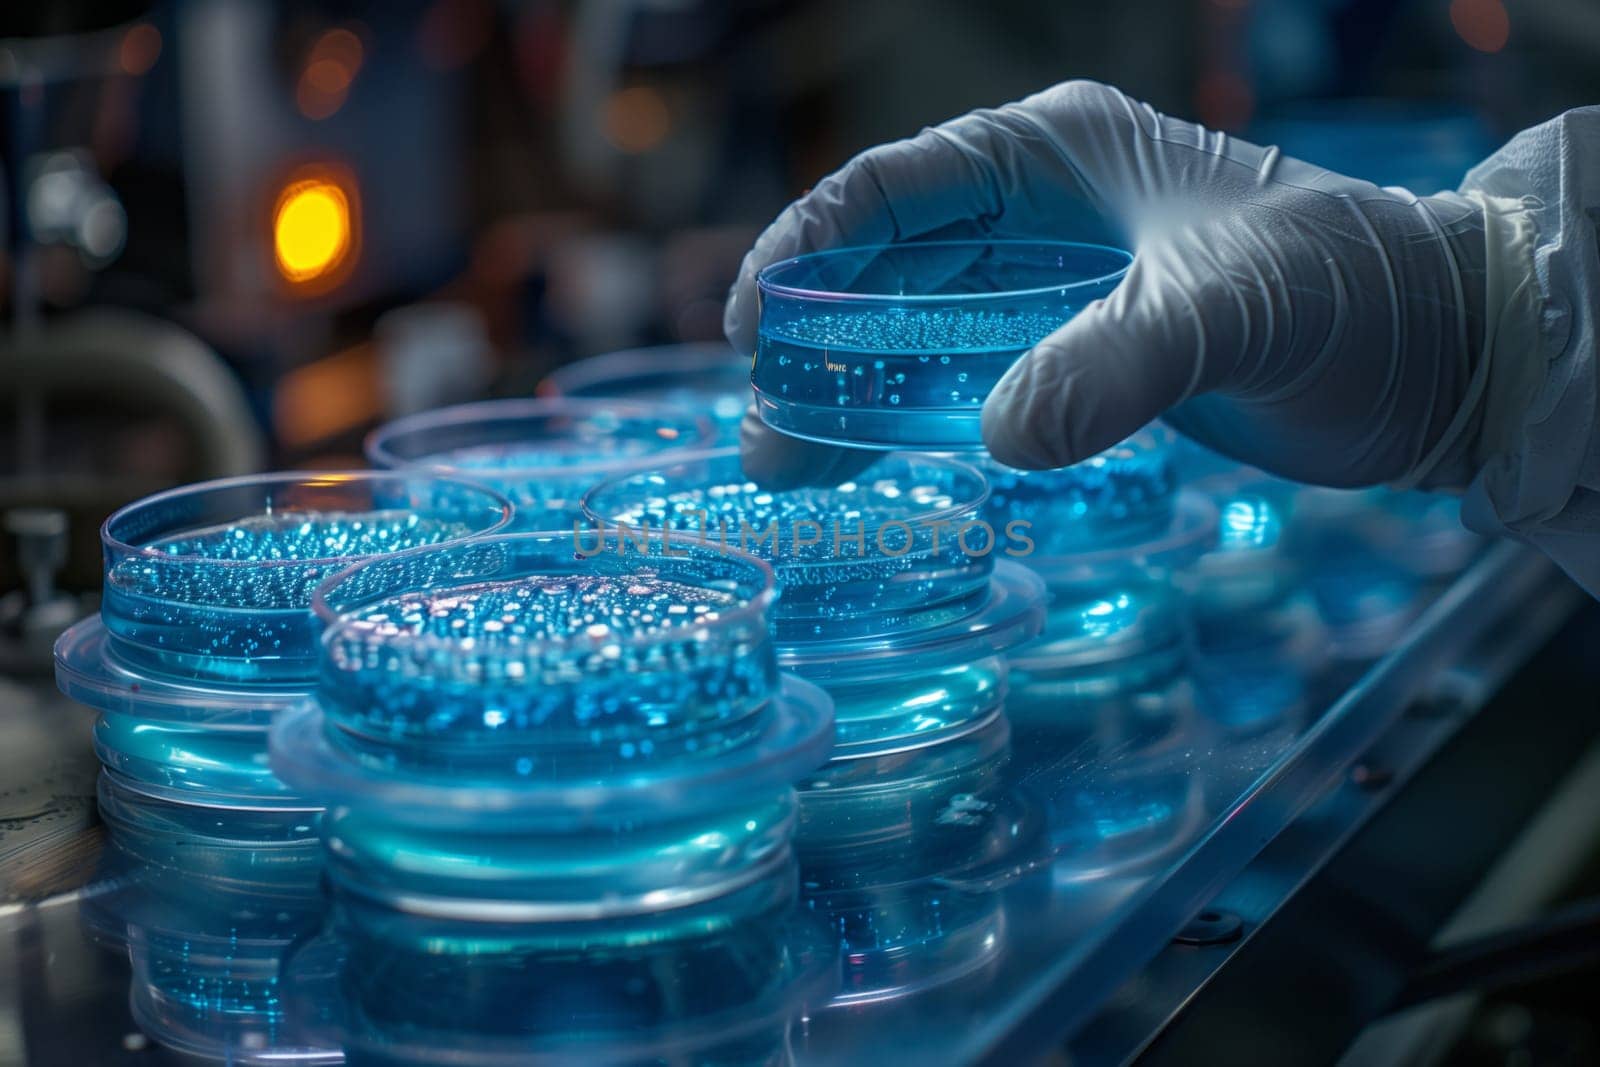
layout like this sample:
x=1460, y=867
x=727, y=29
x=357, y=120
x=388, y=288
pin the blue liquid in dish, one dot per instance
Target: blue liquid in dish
x=542, y=454
x=892, y=597
x=891, y=379
x=894, y=550
x=897, y=346
x=197, y=604
x=546, y=675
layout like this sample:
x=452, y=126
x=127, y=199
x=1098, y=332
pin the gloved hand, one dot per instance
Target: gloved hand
x=1307, y=323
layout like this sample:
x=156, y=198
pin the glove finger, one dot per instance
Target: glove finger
x=777, y=461
x=1116, y=366
x=965, y=177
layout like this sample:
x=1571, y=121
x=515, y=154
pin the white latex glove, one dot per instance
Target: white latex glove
x=1307, y=323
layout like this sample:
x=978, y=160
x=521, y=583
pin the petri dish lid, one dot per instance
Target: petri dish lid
x=796, y=737
x=89, y=671
x=653, y=371
x=900, y=488
x=511, y=440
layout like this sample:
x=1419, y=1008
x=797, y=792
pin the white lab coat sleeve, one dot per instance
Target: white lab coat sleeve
x=1540, y=446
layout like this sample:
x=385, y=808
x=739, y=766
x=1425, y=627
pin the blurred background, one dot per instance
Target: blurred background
x=238, y=234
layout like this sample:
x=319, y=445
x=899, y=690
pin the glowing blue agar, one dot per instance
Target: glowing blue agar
x=213, y=581
x=206, y=635
x=518, y=731
x=708, y=377
x=896, y=346
x=892, y=599
x=542, y=454
x=534, y=657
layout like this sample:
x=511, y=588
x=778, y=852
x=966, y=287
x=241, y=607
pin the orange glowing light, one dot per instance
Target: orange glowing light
x=314, y=229
x=637, y=119
x=1483, y=24
x=140, y=48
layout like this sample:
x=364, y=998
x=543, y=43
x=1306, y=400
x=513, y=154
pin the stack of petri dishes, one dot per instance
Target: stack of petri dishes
x=551, y=768
x=205, y=635
x=708, y=377
x=543, y=454
x=1108, y=680
x=897, y=598
x=897, y=346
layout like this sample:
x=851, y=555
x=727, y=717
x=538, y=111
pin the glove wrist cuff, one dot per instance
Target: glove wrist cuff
x=1508, y=369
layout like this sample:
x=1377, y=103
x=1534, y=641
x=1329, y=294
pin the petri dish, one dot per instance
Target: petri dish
x=527, y=677
x=261, y=849
x=213, y=581
x=177, y=739
x=1258, y=640
x=900, y=547
x=543, y=454
x=537, y=657
x=896, y=346
x=1125, y=495
x=623, y=882
x=709, y=377
x=886, y=599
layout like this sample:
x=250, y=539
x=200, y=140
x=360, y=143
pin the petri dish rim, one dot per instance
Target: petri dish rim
x=768, y=286
x=1014, y=614
x=89, y=671
x=753, y=608
x=115, y=544
x=967, y=506
x=796, y=740
x=378, y=445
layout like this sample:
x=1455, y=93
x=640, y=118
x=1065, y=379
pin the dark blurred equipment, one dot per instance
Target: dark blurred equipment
x=103, y=407
x=32, y=617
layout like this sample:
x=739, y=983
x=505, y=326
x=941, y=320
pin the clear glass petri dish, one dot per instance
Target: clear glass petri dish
x=624, y=882
x=178, y=740
x=270, y=849
x=543, y=454
x=213, y=581
x=900, y=547
x=896, y=346
x=548, y=656
x=886, y=599
x=708, y=377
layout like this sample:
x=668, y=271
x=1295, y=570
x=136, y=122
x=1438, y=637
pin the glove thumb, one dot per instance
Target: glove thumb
x=1118, y=364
